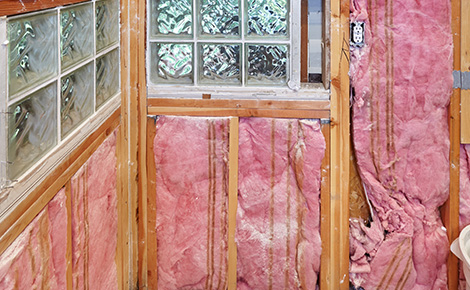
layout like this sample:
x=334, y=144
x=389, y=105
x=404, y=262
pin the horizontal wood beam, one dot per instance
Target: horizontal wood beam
x=239, y=104
x=236, y=112
x=25, y=212
x=13, y=7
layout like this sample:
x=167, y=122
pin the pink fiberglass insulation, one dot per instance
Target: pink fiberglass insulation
x=278, y=216
x=402, y=83
x=464, y=186
x=94, y=220
x=37, y=257
x=464, y=208
x=191, y=157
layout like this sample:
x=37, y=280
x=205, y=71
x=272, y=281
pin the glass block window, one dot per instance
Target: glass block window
x=234, y=43
x=62, y=66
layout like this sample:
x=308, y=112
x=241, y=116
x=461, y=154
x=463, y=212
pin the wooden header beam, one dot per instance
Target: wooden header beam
x=13, y=7
x=240, y=108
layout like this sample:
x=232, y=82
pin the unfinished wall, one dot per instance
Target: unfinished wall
x=278, y=216
x=37, y=258
x=94, y=220
x=191, y=157
x=402, y=83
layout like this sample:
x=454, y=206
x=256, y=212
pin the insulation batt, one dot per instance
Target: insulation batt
x=37, y=257
x=278, y=216
x=191, y=157
x=402, y=83
x=464, y=205
x=94, y=220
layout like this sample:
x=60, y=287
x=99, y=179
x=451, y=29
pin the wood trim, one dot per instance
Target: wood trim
x=24, y=213
x=227, y=112
x=325, y=212
x=340, y=147
x=450, y=210
x=12, y=7
x=69, y=250
x=240, y=104
x=151, y=207
x=233, y=203
x=304, y=41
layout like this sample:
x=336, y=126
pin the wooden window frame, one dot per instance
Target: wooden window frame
x=306, y=91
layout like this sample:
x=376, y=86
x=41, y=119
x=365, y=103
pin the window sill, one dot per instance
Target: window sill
x=307, y=92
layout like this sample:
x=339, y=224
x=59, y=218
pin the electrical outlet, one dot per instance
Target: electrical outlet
x=357, y=34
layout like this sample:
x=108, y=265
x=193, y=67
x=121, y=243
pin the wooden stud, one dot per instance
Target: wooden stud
x=132, y=83
x=227, y=112
x=325, y=212
x=69, y=251
x=450, y=210
x=121, y=246
x=340, y=145
x=151, y=207
x=124, y=152
x=12, y=7
x=463, y=52
x=233, y=203
x=142, y=153
x=240, y=104
x=17, y=220
x=206, y=96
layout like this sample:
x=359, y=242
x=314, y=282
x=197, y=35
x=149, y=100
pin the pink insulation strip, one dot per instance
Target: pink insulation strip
x=94, y=220
x=37, y=257
x=464, y=205
x=278, y=216
x=464, y=186
x=191, y=157
x=402, y=83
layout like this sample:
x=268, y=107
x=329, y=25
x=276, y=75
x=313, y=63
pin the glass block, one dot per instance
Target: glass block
x=267, y=17
x=33, y=51
x=76, y=100
x=267, y=64
x=32, y=129
x=219, y=17
x=172, y=63
x=76, y=37
x=171, y=18
x=107, y=23
x=107, y=77
x=220, y=64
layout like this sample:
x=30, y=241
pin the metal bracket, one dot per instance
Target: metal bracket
x=461, y=80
